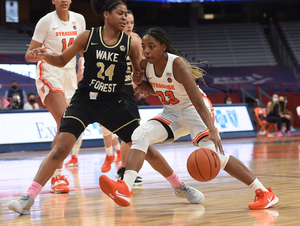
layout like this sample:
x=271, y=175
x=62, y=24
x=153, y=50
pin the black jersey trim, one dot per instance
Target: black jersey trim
x=101, y=39
x=76, y=119
x=125, y=125
x=89, y=40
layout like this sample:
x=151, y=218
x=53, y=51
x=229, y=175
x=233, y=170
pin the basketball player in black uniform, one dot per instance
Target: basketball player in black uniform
x=98, y=97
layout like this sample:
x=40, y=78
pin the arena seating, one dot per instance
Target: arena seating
x=291, y=33
x=12, y=42
x=223, y=45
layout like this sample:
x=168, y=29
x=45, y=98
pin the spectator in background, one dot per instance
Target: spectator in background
x=275, y=115
x=142, y=100
x=288, y=114
x=16, y=102
x=15, y=90
x=31, y=104
x=227, y=100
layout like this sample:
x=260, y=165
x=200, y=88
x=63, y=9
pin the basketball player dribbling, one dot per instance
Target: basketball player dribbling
x=187, y=110
x=56, y=32
x=98, y=98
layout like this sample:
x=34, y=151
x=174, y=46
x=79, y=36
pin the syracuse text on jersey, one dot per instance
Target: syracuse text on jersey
x=65, y=33
x=158, y=85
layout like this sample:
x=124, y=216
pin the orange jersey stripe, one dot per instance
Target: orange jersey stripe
x=200, y=136
x=45, y=82
x=166, y=121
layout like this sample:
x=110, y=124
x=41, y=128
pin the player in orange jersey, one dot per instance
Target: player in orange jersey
x=55, y=32
x=187, y=110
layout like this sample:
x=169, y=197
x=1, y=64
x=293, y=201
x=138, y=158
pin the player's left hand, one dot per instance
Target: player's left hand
x=213, y=136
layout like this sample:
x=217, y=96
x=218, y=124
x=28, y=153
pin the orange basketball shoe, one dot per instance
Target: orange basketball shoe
x=59, y=184
x=119, y=158
x=72, y=162
x=117, y=191
x=263, y=199
x=107, y=163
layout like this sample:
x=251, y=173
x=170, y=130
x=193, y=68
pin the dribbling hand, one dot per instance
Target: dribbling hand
x=213, y=136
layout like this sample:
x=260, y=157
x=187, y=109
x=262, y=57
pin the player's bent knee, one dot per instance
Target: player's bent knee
x=139, y=139
x=148, y=133
x=210, y=145
x=60, y=153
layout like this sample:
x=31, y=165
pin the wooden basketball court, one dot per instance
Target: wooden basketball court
x=274, y=160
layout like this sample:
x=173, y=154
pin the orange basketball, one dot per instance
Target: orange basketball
x=203, y=164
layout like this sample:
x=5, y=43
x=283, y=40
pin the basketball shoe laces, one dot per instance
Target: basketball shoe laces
x=188, y=192
x=59, y=180
x=22, y=205
x=24, y=199
x=259, y=196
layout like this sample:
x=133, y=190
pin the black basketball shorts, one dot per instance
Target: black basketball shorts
x=128, y=96
x=112, y=113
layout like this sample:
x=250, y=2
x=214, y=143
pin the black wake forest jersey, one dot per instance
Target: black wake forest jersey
x=104, y=66
x=128, y=76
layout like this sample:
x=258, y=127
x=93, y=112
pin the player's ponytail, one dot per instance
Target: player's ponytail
x=161, y=35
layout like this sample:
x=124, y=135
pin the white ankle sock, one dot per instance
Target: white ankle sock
x=58, y=172
x=117, y=145
x=256, y=184
x=129, y=178
x=109, y=151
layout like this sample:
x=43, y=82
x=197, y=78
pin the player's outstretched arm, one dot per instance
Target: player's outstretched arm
x=62, y=59
x=183, y=74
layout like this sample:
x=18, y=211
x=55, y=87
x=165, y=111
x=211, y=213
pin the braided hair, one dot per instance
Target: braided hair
x=161, y=35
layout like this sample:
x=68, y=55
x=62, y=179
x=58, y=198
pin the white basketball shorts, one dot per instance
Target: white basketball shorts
x=56, y=79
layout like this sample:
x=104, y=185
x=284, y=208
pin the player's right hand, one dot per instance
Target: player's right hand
x=213, y=136
x=137, y=77
x=142, y=89
x=38, y=52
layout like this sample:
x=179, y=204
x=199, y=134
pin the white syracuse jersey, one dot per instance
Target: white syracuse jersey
x=57, y=35
x=172, y=94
